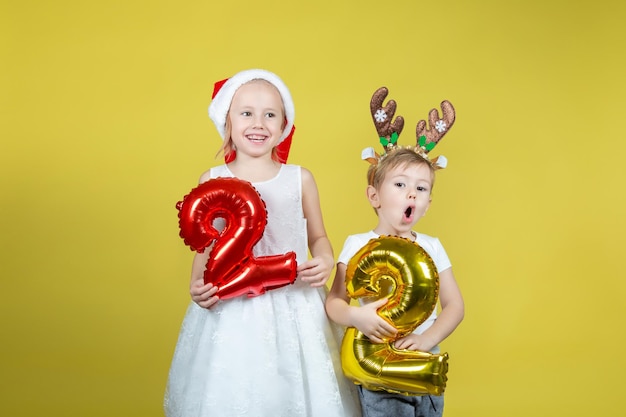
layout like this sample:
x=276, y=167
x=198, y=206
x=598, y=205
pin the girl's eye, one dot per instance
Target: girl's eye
x=399, y=184
x=422, y=188
x=270, y=115
x=246, y=113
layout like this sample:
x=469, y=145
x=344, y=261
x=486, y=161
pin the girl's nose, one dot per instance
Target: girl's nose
x=257, y=122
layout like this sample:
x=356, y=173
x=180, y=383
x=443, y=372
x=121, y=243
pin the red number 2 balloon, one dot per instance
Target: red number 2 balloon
x=231, y=265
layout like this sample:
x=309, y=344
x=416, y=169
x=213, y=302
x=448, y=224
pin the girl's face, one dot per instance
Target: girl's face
x=402, y=199
x=256, y=118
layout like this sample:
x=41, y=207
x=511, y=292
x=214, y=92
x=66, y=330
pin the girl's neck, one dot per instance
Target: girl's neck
x=254, y=169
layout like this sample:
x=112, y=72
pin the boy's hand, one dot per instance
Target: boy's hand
x=315, y=271
x=367, y=320
x=203, y=294
x=415, y=342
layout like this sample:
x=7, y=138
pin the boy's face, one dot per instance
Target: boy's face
x=256, y=118
x=401, y=199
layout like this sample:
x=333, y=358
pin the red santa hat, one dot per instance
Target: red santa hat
x=224, y=91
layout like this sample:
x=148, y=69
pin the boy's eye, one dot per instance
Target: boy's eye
x=271, y=115
x=420, y=188
x=246, y=113
x=399, y=184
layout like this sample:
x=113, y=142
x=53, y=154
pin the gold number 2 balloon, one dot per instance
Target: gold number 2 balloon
x=402, y=271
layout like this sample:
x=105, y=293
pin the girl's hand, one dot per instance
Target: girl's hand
x=371, y=324
x=415, y=342
x=203, y=294
x=315, y=271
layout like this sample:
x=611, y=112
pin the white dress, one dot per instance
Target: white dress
x=273, y=355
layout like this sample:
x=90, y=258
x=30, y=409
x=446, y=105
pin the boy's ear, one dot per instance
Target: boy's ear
x=372, y=196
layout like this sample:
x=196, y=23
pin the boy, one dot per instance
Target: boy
x=399, y=189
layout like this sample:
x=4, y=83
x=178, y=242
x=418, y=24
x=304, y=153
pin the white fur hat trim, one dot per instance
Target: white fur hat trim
x=218, y=110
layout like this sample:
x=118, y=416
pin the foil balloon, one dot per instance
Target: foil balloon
x=402, y=271
x=231, y=265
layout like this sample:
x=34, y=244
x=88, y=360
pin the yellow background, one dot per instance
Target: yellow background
x=103, y=128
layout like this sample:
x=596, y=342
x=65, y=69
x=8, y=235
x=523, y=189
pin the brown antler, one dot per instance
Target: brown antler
x=438, y=127
x=382, y=117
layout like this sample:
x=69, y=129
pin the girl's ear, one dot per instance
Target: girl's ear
x=372, y=196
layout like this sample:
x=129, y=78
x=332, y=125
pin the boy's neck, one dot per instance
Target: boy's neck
x=409, y=234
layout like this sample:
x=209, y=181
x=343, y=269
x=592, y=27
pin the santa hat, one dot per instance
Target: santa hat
x=224, y=91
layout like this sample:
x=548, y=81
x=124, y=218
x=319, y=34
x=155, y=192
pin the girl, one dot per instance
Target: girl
x=276, y=354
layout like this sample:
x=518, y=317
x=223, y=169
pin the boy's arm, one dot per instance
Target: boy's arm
x=337, y=302
x=363, y=318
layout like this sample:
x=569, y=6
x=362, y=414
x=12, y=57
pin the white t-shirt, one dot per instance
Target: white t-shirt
x=431, y=245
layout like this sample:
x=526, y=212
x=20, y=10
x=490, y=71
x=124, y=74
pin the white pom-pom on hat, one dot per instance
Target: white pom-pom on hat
x=222, y=98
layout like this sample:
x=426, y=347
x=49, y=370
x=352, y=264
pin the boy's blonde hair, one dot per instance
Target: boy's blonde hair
x=395, y=158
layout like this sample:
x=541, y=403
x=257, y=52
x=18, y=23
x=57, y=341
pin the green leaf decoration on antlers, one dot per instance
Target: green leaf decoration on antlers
x=426, y=146
x=392, y=140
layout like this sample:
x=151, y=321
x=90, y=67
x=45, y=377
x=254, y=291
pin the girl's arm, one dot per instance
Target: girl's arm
x=201, y=293
x=315, y=271
x=363, y=318
x=451, y=315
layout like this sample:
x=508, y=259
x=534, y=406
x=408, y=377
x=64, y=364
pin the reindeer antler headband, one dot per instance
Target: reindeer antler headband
x=389, y=131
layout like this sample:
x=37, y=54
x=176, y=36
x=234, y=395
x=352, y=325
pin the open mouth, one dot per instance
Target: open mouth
x=408, y=212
